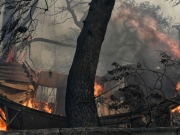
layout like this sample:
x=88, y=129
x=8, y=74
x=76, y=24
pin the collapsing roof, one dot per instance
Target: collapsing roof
x=17, y=81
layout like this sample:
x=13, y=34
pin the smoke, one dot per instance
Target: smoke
x=134, y=34
x=52, y=25
x=114, y=48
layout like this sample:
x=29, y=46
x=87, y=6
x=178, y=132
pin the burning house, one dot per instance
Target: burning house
x=27, y=95
x=19, y=86
x=160, y=110
x=102, y=92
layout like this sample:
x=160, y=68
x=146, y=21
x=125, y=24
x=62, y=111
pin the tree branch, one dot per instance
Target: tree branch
x=52, y=42
x=78, y=23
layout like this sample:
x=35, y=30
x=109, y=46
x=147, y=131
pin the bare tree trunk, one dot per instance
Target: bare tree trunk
x=81, y=109
x=4, y=21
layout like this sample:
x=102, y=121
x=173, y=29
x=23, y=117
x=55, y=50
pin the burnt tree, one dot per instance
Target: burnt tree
x=81, y=109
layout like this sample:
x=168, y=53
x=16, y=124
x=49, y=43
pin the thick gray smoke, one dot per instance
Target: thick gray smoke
x=131, y=38
x=124, y=42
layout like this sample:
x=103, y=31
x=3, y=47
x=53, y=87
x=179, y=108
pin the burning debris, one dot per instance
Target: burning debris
x=17, y=117
x=97, y=89
x=2, y=120
x=46, y=107
x=176, y=109
x=19, y=83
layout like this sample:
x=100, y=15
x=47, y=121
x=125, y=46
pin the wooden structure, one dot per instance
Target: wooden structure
x=18, y=84
x=51, y=79
x=21, y=117
x=17, y=81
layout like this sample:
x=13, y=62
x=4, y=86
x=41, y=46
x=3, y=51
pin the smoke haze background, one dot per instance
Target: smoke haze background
x=53, y=57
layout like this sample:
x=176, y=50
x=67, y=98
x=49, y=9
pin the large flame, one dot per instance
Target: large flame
x=97, y=89
x=148, y=30
x=28, y=103
x=38, y=106
x=2, y=120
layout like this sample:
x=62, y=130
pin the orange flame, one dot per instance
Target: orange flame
x=46, y=108
x=178, y=89
x=178, y=86
x=176, y=109
x=28, y=103
x=156, y=36
x=38, y=106
x=2, y=120
x=97, y=89
x=148, y=31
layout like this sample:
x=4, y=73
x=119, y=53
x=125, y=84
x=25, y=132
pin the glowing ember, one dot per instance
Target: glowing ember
x=176, y=109
x=2, y=120
x=97, y=89
x=28, y=103
x=178, y=86
x=46, y=108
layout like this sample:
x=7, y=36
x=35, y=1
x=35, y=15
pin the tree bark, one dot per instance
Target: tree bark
x=81, y=109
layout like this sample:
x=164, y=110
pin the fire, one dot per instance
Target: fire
x=97, y=89
x=148, y=31
x=178, y=86
x=2, y=120
x=38, y=106
x=28, y=103
x=178, y=89
x=47, y=108
x=176, y=109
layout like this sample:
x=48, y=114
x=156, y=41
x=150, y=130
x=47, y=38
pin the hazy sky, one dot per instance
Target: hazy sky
x=166, y=7
x=46, y=31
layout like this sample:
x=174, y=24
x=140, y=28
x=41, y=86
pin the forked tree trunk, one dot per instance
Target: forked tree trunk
x=81, y=109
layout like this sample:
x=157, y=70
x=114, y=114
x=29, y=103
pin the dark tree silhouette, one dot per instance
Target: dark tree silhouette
x=81, y=109
x=144, y=91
